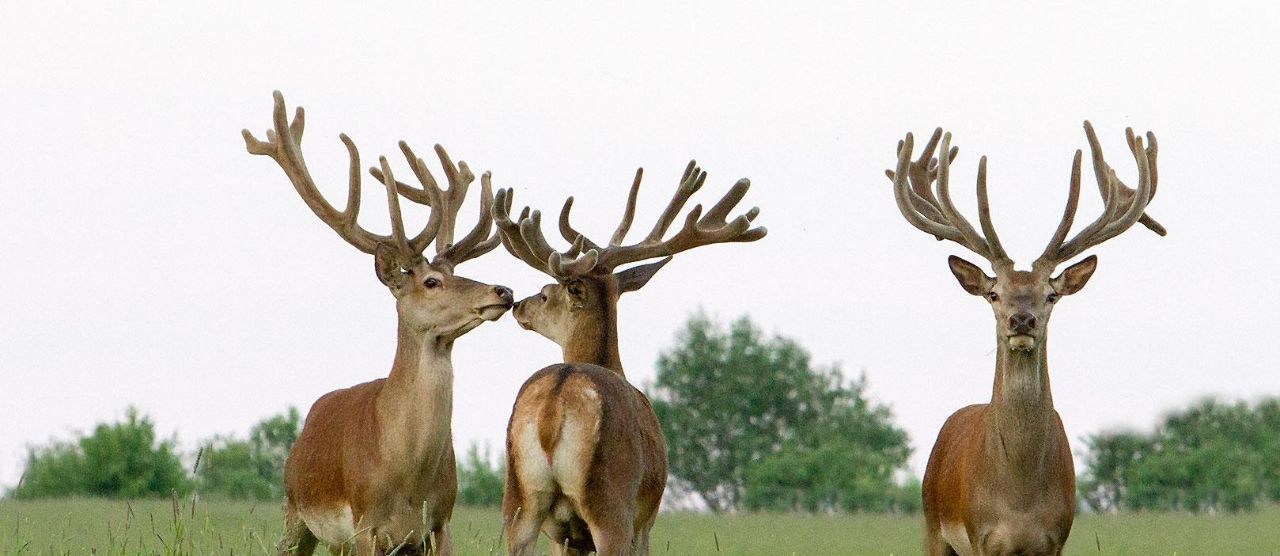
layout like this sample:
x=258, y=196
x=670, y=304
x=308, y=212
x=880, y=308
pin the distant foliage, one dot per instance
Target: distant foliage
x=250, y=469
x=480, y=482
x=1211, y=457
x=119, y=460
x=751, y=424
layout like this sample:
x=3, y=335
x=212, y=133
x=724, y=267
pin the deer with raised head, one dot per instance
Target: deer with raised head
x=1000, y=480
x=586, y=458
x=374, y=464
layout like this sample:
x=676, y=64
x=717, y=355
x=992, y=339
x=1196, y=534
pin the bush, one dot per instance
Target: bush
x=119, y=460
x=480, y=483
x=750, y=423
x=1210, y=457
x=250, y=469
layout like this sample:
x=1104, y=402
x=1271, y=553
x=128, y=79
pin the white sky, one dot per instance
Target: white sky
x=146, y=258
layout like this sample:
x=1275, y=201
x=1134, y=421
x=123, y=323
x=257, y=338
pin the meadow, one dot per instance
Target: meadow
x=79, y=526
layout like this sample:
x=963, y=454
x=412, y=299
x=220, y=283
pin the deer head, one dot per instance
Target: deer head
x=1022, y=300
x=583, y=298
x=430, y=298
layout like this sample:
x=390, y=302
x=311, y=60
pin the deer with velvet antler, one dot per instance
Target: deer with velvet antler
x=586, y=458
x=1000, y=480
x=374, y=464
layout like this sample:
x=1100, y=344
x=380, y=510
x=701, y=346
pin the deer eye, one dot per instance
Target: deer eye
x=1053, y=297
x=431, y=283
x=542, y=297
x=992, y=297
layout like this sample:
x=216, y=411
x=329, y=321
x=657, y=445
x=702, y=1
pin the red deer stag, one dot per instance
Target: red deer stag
x=586, y=458
x=374, y=465
x=1000, y=480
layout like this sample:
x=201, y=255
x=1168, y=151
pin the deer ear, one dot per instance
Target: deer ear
x=1075, y=276
x=971, y=278
x=388, y=264
x=636, y=277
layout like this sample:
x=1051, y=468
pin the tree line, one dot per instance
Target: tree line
x=1214, y=456
x=752, y=424
x=127, y=459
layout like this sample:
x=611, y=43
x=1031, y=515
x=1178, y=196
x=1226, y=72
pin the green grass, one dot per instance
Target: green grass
x=53, y=527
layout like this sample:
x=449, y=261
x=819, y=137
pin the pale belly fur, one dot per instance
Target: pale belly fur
x=956, y=536
x=335, y=526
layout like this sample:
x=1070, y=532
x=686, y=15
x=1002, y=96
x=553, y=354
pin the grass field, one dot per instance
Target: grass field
x=149, y=527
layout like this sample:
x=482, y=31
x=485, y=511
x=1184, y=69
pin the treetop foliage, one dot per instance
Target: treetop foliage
x=1210, y=457
x=751, y=423
x=118, y=460
x=253, y=468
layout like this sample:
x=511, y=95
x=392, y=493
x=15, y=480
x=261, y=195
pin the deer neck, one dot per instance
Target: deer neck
x=416, y=402
x=1021, y=419
x=594, y=338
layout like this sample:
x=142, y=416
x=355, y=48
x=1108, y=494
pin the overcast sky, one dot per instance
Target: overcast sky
x=147, y=259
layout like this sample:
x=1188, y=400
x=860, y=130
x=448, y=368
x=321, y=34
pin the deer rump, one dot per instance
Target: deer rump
x=583, y=445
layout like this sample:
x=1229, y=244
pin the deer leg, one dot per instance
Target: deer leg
x=935, y=545
x=442, y=541
x=612, y=528
x=367, y=544
x=642, y=543
x=298, y=540
x=562, y=548
x=614, y=540
x=523, y=525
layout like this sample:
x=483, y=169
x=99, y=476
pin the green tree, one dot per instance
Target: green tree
x=846, y=461
x=1109, y=459
x=751, y=423
x=480, y=482
x=1212, y=456
x=119, y=460
x=229, y=469
x=253, y=468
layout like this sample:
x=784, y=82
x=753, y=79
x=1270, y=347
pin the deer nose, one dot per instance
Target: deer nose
x=1022, y=323
x=504, y=293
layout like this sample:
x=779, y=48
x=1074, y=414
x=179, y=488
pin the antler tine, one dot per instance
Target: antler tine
x=938, y=216
x=478, y=241
x=523, y=239
x=578, y=266
x=531, y=233
x=1068, y=215
x=1138, y=204
x=628, y=213
x=1153, y=149
x=698, y=229
x=536, y=242
x=984, y=216
x=1120, y=211
x=581, y=241
x=1102, y=170
x=690, y=183
x=427, y=194
x=509, y=231
x=973, y=240
x=906, y=198
x=459, y=177
x=284, y=145
x=566, y=230
x=393, y=203
x=406, y=190
x=922, y=173
x=925, y=171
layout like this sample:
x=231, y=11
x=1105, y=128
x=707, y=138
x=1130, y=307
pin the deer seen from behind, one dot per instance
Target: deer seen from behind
x=586, y=458
x=1000, y=480
x=374, y=464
